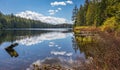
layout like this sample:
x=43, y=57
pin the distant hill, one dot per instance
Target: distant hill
x=12, y=21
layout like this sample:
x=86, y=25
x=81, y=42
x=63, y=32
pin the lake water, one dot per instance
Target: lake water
x=21, y=48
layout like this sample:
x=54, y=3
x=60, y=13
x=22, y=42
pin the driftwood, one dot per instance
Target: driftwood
x=11, y=51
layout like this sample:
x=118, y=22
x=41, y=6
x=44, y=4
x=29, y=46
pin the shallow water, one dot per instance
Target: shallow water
x=20, y=48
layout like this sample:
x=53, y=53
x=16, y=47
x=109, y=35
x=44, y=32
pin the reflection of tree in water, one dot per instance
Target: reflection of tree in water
x=103, y=50
x=74, y=43
x=12, y=35
x=11, y=51
x=84, y=43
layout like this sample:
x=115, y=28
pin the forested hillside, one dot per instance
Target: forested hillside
x=99, y=13
x=11, y=21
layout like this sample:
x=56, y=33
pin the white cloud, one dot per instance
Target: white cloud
x=59, y=9
x=62, y=3
x=52, y=12
x=56, y=3
x=37, y=16
x=56, y=10
x=69, y=2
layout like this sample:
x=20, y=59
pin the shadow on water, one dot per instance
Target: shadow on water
x=10, y=50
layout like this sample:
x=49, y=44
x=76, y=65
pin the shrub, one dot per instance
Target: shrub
x=110, y=25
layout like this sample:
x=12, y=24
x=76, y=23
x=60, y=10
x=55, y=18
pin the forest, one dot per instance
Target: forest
x=99, y=13
x=11, y=21
x=97, y=33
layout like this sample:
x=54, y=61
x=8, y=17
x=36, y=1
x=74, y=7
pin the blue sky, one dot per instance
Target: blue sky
x=40, y=6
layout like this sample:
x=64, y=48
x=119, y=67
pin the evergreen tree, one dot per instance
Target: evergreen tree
x=74, y=16
x=96, y=12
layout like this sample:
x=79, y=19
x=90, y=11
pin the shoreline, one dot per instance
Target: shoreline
x=103, y=47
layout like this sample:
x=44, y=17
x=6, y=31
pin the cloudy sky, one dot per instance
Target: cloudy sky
x=49, y=9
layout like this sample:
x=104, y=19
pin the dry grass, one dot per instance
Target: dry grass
x=105, y=50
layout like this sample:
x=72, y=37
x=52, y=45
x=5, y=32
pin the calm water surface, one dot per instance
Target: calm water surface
x=20, y=48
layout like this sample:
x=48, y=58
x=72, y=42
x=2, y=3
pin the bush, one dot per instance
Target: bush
x=110, y=25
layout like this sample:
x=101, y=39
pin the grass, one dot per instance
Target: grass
x=104, y=48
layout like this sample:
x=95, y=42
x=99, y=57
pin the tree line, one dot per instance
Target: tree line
x=11, y=21
x=98, y=13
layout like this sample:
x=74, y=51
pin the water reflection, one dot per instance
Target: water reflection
x=42, y=44
x=10, y=50
x=75, y=45
x=12, y=35
x=57, y=64
x=64, y=53
x=28, y=41
x=85, y=42
x=101, y=48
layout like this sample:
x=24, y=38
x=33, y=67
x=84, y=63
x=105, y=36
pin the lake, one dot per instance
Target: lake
x=20, y=48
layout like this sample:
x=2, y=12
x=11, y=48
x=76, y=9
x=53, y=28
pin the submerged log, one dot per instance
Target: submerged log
x=11, y=51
